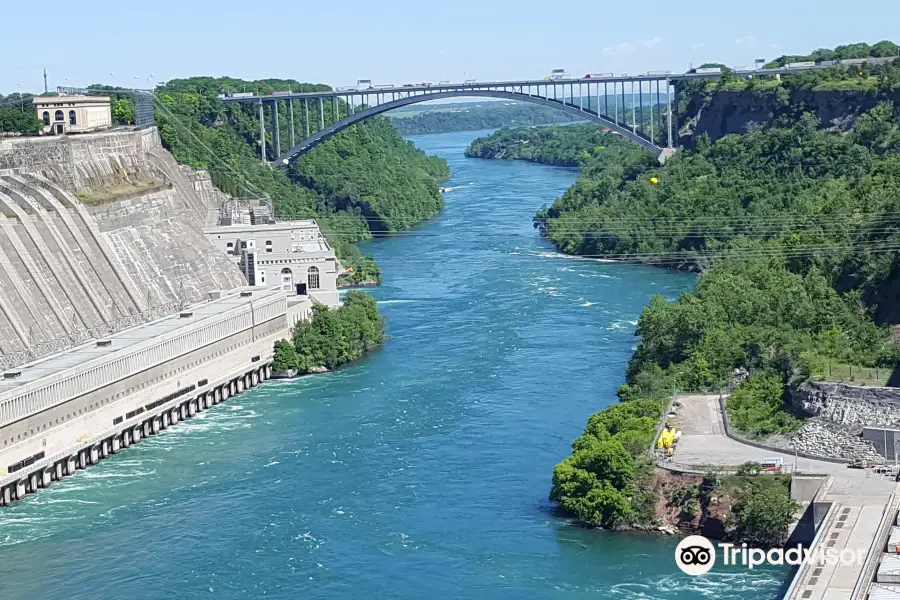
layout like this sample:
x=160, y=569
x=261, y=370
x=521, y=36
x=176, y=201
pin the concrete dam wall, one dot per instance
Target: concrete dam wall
x=99, y=233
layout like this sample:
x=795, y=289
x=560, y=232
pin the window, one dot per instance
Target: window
x=313, y=278
x=287, y=279
x=59, y=115
x=46, y=117
x=72, y=119
x=268, y=245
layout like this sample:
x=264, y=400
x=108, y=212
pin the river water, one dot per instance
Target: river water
x=420, y=472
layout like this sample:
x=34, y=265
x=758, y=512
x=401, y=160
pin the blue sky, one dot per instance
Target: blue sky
x=404, y=41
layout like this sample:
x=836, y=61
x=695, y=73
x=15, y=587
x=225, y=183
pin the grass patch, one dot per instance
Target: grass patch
x=110, y=193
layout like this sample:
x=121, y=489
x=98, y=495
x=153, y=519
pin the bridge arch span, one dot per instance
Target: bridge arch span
x=317, y=138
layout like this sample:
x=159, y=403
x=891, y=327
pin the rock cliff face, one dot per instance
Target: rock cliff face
x=725, y=112
x=837, y=413
x=98, y=233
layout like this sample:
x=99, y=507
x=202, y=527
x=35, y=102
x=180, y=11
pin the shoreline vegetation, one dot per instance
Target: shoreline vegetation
x=331, y=338
x=364, y=181
x=790, y=228
x=464, y=116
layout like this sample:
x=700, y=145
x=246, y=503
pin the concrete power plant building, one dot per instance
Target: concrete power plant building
x=73, y=114
x=123, y=308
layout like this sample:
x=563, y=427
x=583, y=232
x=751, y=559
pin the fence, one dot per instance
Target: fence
x=80, y=336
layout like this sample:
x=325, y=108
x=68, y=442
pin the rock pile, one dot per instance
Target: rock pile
x=820, y=437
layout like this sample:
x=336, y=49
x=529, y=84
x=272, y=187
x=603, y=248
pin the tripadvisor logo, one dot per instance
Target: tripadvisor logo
x=696, y=555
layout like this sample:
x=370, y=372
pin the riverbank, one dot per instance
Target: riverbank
x=401, y=474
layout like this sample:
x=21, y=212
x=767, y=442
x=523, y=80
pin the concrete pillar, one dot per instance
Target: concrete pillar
x=146, y=431
x=82, y=459
x=115, y=445
x=58, y=471
x=136, y=434
x=95, y=454
x=190, y=409
x=71, y=465
x=198, y=404
x=126, y=438
x=210, y=399
x=165, y=419
x=46, y=477
x=240, y=385
x=6, y=496
x=248, y=381
x=104, y=449
x=32, y=483
x=155, y=425
x=20, y=489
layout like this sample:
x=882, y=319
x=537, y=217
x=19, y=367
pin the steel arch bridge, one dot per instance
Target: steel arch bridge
x=607, y=104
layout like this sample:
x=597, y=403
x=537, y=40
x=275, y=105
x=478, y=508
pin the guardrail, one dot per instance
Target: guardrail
x=878, y=545
x=731, y=435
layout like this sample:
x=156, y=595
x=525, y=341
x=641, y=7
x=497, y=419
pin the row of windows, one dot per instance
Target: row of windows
x=271, y=327
x=110, y=372
x=59, y=116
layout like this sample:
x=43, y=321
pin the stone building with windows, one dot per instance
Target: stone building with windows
x=73, y=114
x=293, y=255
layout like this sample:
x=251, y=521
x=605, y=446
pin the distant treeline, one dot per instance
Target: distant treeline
x=484, y=116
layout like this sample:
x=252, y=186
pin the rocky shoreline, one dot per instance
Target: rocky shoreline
x=294, y=373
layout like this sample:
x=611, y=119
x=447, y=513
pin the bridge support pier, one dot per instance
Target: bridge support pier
x=276, y=134
x=321, y=115
x=262, y=132
x=291, y=113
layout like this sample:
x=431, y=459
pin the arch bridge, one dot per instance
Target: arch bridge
x=616, y=103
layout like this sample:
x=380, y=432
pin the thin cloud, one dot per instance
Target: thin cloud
x=619, y=50
x=745, y=40
x=650, y=43
x=696, y=47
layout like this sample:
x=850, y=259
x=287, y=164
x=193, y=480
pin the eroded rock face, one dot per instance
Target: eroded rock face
x=837, y=413
x=848, y=405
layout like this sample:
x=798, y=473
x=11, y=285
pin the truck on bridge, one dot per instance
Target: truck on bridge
x=557, y=74
x=598, y=75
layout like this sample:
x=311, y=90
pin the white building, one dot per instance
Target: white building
x=293, y=255
x=73, y=114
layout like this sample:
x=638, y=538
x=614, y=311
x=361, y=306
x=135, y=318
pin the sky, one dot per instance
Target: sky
x=404, y=41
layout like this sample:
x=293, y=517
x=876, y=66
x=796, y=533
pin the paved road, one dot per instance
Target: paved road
x=861, y=496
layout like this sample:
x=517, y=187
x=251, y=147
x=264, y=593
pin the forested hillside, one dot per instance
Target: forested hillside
x=436, y=119
x=364, y=180
x=795, y=230
x=560, y=145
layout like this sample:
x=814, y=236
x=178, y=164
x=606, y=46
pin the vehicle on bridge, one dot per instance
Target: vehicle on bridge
x=800, y=65
x=364, y=84
x=426, y=84
x=706, y=70
x=280, y=93
x=598, y=76
x=470, y=82
x=653, y=73
x=557, y=74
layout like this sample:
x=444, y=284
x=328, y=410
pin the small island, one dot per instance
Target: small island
x=331, y=338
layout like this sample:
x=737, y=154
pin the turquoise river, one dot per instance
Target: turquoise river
x=420, y=472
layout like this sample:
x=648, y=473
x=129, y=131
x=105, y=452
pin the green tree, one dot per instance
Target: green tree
x=762, y=517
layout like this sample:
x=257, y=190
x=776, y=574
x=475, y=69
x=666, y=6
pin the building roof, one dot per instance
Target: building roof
x=130, y=338
x=52, y=100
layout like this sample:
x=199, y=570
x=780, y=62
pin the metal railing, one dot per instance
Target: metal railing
x=879, y=543
x=80, y=336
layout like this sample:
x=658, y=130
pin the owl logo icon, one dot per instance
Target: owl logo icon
x=695, y=555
